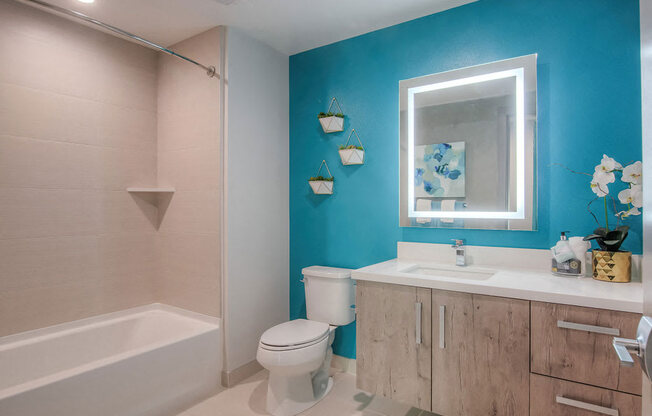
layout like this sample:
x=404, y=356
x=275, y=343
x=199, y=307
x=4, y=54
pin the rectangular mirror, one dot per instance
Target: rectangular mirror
x=468, y=144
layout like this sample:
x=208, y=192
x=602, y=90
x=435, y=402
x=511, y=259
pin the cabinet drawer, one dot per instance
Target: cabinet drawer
x=575, y=343
x=553, y=397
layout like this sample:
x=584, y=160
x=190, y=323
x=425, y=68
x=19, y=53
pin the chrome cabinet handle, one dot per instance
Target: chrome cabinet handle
x=417, y=306
x=442, y=322
x=587, y=406
x=641, y=347
x=624, y=347
x=589, y=328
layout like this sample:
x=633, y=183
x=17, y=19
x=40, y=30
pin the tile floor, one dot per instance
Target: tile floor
x=248, y=399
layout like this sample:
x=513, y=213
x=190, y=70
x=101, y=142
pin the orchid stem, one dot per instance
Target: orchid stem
x=606, y=215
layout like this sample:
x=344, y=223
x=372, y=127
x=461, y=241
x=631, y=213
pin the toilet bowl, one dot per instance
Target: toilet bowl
x=298, y=353
x=298, y=373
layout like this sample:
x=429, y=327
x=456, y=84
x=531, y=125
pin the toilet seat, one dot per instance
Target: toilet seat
x=292, y=335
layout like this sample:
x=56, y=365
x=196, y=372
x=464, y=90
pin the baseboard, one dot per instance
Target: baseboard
x=346, y=365
x=233, y=377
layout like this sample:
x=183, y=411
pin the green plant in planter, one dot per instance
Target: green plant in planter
x=351, y=146
x=321, y=178
x=330, y=114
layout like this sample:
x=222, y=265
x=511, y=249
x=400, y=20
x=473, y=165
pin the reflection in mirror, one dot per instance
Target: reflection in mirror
x=468, y=147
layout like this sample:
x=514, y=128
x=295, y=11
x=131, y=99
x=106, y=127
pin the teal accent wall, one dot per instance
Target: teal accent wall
x=589, y=102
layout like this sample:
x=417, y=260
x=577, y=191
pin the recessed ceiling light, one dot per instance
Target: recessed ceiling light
x=86, y=1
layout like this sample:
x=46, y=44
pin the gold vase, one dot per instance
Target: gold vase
x=612, y=266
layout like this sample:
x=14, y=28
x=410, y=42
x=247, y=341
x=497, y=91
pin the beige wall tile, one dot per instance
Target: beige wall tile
x=122, y=168
x=38, y=65
x=30, y=213
x=123, y=212
x=128, y=256
x=77, y=126
x=126, y=128
x=26, y=112
x=31, y=263
x=190, y=271
x=192, y=212
x=36, y=163
x=44, y=306
x=188, y=127
x=189, y=169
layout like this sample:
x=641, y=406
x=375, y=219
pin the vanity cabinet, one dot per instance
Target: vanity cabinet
x=462, y=354
x=480, y=355
x=393, y=342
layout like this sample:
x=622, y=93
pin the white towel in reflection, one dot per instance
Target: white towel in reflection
x=423, y=205
x=447, y=205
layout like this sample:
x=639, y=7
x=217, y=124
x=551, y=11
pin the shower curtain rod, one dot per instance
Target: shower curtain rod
x=210, y=70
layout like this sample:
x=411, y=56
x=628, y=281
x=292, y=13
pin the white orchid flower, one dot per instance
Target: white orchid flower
x=637, y=195
x=633, y=173
x=629, y=212
x=608, y=164
x=600, y=182
x=599, y=189
x=633, y=195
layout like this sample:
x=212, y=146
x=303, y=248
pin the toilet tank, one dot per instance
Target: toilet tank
x=330, y=295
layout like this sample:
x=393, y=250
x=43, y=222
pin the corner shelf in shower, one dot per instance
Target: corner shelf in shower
x=152, y=190
x=156, y=198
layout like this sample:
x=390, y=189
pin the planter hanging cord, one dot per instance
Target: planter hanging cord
x=334, y=101
x=323, y=163
x=356, y=135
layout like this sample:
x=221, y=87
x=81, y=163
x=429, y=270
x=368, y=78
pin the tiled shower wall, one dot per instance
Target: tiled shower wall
x=78, y=125
x=189, y=160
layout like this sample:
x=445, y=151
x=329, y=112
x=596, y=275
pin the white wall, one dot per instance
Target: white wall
x=646, y=87
x=256, y=252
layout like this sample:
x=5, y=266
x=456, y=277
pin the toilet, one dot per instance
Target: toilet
x=298, y=353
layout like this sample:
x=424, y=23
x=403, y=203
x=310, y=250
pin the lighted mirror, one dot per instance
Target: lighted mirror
x=468, y=147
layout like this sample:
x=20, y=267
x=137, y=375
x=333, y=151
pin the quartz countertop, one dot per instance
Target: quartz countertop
x=515, y=283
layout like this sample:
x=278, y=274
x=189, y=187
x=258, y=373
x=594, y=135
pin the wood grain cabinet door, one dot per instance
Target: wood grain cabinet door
x=575, y=343
x=391, y=360
x=480, y=355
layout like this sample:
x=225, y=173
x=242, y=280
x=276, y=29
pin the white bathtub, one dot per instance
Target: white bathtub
x=151, y=360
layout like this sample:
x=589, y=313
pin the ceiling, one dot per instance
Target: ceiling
x=290, y=26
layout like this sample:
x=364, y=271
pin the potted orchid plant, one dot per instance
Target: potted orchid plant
x=609, y=262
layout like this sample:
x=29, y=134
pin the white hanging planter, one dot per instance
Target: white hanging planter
x=351, y=154
x=332, y=122
x=322, y=185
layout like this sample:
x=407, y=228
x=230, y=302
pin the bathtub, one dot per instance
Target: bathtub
x=150, y=360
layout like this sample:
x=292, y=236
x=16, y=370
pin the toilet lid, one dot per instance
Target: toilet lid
x=297, y=332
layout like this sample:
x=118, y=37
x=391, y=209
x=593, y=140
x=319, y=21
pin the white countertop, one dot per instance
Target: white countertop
x=513, y=283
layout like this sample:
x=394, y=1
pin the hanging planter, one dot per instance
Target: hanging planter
x=332, y=122
x=322, y=185
x=350, y=153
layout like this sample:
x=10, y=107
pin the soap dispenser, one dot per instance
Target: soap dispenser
x=564, y=261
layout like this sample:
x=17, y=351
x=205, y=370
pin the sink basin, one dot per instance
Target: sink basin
x=453, y=273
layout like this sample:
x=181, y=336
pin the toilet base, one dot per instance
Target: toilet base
x=288, y=396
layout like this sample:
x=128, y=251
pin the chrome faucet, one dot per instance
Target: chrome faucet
x=460, y=252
